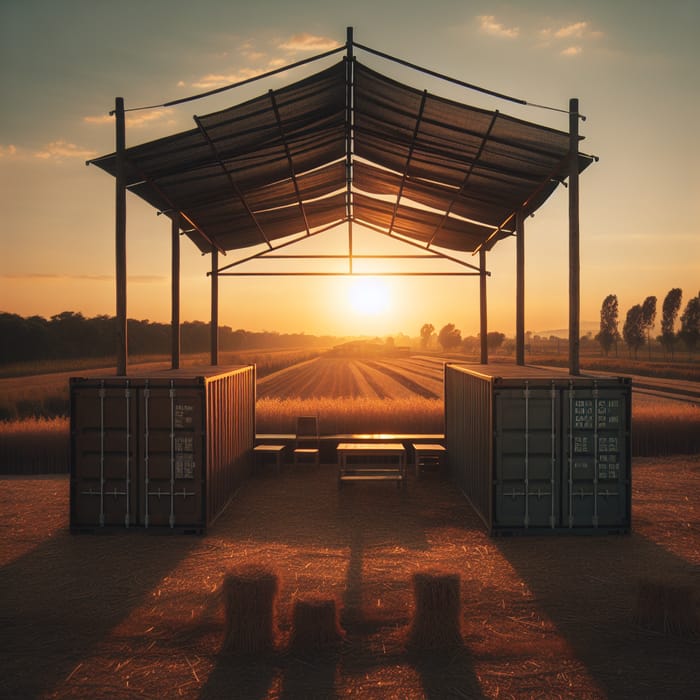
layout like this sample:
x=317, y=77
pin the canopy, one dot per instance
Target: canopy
x=348, y=144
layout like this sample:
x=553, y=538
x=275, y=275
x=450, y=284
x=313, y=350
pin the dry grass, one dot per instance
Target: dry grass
x=41, y=390
x=544, y=617
x=664, y=428
x=361, y=415
x=35, y=446
x=659, y=427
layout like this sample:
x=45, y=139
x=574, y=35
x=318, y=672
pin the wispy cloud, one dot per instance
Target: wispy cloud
x=565, y=39
x=255, y=60
x=215, y=80
x=55, y=151
x=136, y=119
x=308, y=42
x=490, y=25
x=62, y=150
x=557, y=37
x=7, y=152
x=571, y=51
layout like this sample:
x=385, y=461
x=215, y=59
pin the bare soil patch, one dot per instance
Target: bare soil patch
x=139, y=615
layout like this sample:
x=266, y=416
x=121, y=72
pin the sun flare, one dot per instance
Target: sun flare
x=369, y=296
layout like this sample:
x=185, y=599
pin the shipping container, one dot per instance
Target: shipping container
x=538, y=450
x=163, y=451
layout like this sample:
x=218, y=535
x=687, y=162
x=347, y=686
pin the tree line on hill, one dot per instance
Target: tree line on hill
x=72, y=335
x=449, y=338
x=640, y=320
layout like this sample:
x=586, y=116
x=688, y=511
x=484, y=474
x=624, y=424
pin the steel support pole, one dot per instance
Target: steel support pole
x=175, y=291
x=574, y=259
x=214, y=307
x=482, y=308
x=120, y=237
x=349, y=77
x=520, y=289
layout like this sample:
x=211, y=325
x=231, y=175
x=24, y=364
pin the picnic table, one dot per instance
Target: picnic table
x=371, y=461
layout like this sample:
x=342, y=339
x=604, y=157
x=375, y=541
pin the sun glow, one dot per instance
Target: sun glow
x=369, y=296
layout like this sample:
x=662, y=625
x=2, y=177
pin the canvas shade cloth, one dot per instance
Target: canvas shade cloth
x=350, y=144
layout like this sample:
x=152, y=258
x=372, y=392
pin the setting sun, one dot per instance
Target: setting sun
x=369, y=296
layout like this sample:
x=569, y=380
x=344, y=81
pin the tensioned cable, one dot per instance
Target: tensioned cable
x=224, y=88
x=456, y=81
x=381, y=54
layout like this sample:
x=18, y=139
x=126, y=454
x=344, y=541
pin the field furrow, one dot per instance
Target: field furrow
x=362, y=386
x=412, y=383
x=384, y=384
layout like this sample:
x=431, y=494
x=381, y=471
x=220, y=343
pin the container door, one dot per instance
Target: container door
x=527, y=457
x=104, y=455
x=596, y=482
x=171, y=457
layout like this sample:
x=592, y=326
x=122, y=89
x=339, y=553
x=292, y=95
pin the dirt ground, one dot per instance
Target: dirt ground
x=136, y=615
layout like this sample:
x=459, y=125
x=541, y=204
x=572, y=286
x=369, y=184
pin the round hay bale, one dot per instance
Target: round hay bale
x=436, y=615
x=666, y=608
x=249, y=595
x=315, y=625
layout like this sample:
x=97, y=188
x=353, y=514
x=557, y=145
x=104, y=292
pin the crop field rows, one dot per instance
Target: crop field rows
x=324, y=377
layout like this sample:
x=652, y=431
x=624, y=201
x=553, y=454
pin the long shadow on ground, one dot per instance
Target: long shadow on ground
x=598, y=621
x=363, y=521
x=59, y=600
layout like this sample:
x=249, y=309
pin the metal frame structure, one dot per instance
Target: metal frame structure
x=500, y=159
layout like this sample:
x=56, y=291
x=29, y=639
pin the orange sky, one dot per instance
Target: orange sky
x=632, y=65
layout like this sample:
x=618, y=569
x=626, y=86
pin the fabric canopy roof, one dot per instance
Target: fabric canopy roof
x=349, y=144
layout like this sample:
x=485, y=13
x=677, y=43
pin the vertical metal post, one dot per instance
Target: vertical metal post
x=214, y=307
x=520, y=289
x=175, y=292
x=348, y=139
x=120, y=236
x=482, y=307
x=574, y=259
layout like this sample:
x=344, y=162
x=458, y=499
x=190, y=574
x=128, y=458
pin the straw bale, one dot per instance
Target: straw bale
x=666, y=608
x=315, y=624
x=436, y=617
x=250, y=594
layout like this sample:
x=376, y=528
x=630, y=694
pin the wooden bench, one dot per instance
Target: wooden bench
x=277, y=451
x=371, y=461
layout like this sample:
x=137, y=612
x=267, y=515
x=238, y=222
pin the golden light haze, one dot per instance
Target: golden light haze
x=635, y=81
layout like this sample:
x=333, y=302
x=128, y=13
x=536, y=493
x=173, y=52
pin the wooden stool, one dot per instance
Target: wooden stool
x=427, y=454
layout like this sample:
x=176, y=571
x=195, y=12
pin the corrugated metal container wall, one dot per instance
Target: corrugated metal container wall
x=538, y=451
x=163, y=451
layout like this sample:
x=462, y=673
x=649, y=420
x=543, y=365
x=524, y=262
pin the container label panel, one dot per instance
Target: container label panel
x=185, y=466
x=183, y=415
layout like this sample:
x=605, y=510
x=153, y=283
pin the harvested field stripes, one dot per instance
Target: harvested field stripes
x=346, y=378
x=424, y=385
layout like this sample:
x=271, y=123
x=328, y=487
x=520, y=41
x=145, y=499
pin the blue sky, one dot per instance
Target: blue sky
x=633, y=66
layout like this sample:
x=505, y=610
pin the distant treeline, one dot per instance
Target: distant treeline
x=71, y=335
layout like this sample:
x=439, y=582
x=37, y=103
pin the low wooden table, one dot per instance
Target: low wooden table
x=371, y=461
x=275, y=450
x=427, y=453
